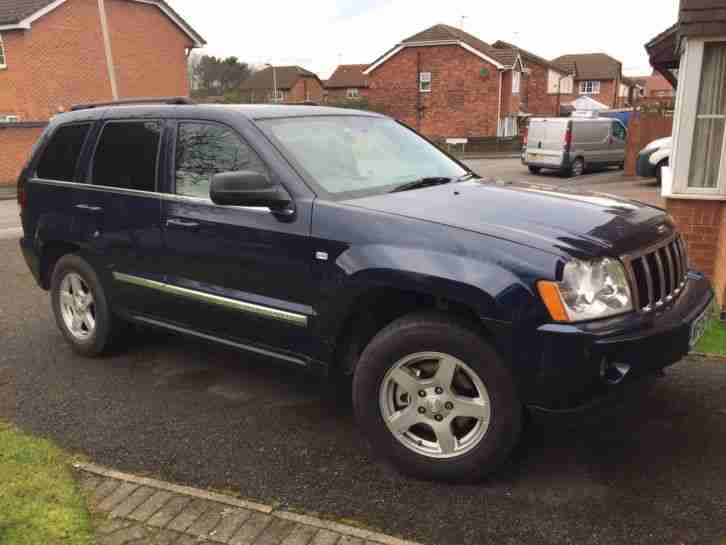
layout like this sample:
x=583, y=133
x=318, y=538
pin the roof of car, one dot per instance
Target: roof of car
x=248, y=111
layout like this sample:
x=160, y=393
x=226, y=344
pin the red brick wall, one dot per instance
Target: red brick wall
x=61, y=61
x=15, y=143
x=703, y=225
x=57, y=63
x=148, y=51
x=642, y=130
x=539, y=102
x=461, y=102
x=306, y=88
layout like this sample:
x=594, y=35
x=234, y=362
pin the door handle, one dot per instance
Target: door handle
x=89, y=208
x=183, y=224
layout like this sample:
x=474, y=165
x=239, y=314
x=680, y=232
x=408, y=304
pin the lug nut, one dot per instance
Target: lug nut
x=439, y=390
x=421, y=410
x=422, y=393
x=449, y=405
x=438, y=418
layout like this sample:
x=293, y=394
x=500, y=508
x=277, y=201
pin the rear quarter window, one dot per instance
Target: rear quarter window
x=60, y=156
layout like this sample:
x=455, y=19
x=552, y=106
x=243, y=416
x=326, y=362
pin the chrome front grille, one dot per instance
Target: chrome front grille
x=657, y=275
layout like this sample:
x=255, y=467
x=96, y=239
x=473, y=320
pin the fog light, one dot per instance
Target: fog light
x=613, y=373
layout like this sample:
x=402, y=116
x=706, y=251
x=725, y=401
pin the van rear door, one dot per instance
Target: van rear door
x=545, y=141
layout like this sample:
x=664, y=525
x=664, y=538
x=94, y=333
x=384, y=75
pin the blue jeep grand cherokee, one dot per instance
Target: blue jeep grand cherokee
x=342, y=241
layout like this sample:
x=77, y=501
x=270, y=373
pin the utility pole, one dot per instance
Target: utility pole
x=274, y=81
x=463, y=20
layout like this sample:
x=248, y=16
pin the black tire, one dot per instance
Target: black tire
x=107, y=326
x=577, y=168
x=436, y=332
x=535, y=170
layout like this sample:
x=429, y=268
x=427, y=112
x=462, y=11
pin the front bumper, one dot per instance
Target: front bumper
x=573, y=355
x=643, y=167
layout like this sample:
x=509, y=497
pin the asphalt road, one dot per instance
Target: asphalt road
x=650, y=471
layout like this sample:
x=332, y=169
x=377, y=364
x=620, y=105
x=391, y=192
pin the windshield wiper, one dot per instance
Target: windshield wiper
x=432, y=181
x=423, y=182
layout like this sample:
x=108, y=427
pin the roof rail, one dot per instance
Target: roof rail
x=134, y=101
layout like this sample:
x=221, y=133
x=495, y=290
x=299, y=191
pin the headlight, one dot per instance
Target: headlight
x=589, y=290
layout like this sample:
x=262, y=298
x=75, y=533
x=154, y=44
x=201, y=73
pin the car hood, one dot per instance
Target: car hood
x=666, y=142
x=565, y=222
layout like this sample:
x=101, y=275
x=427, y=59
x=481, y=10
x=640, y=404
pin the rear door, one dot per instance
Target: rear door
x=123, y=173
x=546, y=140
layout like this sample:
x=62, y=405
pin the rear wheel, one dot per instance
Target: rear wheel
x=80, y=306
x=577, y=167
x=435, y=399
x=535, y=170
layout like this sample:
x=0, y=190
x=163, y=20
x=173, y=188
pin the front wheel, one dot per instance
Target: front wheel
x=434, y=397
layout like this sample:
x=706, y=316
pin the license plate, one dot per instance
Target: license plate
x=534, y=157
x=698, y=328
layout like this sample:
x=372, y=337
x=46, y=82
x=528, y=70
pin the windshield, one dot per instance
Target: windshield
x=356, y=156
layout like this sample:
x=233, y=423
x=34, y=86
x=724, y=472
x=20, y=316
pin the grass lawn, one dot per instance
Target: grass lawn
x=714, y=340
x=40, y=502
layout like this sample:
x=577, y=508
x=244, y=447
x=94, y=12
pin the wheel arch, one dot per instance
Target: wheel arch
x=50, y=253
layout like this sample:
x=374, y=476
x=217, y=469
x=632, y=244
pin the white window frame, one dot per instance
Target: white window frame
x=516, y=82
x=3, y=54
x=592, y=84
x=424, y=82
x=353, y=93
x=675, y=179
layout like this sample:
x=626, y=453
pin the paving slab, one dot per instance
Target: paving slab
x=142, y=511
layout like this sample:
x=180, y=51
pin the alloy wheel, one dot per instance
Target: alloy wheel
x=435, y=405
x=77, y=306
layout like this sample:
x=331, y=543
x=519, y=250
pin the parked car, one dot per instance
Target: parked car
x=653, y=158
x=573, y=145
x=344, y=243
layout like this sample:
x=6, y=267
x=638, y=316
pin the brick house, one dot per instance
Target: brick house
x=600, y=77
x=56, y=53
x=448, y=83
x=347, y=83
x=691, y=55
x=294, y=85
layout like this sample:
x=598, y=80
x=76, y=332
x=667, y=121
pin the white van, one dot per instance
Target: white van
x=571, y=145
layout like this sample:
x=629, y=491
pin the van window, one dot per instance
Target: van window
x=127, y=155
x=60, y=157
x=206, y=149
x=619, y=131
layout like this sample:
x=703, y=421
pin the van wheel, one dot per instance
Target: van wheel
x=435, y=399
x=80, y=306
x=577, y=168
x=535, y=170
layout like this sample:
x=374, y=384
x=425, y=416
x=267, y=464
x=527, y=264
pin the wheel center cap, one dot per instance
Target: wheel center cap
x=435, y=405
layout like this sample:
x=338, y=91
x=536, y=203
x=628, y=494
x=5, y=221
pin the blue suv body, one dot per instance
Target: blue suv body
x=342, y=241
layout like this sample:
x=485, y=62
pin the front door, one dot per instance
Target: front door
x=618, y=137
x=233, y=272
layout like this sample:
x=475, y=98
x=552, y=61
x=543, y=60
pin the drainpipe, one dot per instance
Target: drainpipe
x=107, y=47
x=418, y=91
x=499, y=104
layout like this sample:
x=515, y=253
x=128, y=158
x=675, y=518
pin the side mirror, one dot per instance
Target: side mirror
x=248, y=188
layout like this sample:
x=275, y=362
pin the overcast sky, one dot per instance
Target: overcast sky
x=320, y=34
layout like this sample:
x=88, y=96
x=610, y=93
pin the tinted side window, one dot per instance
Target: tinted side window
x=205, y=149
x=127, y=155
x=619, y=131
x=60, y=157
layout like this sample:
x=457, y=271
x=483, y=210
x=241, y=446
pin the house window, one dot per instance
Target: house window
x=710, y=129
x=3, y=62
x=353, y=93
x=516, y=81
x=424, y=82
x=589, y=87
